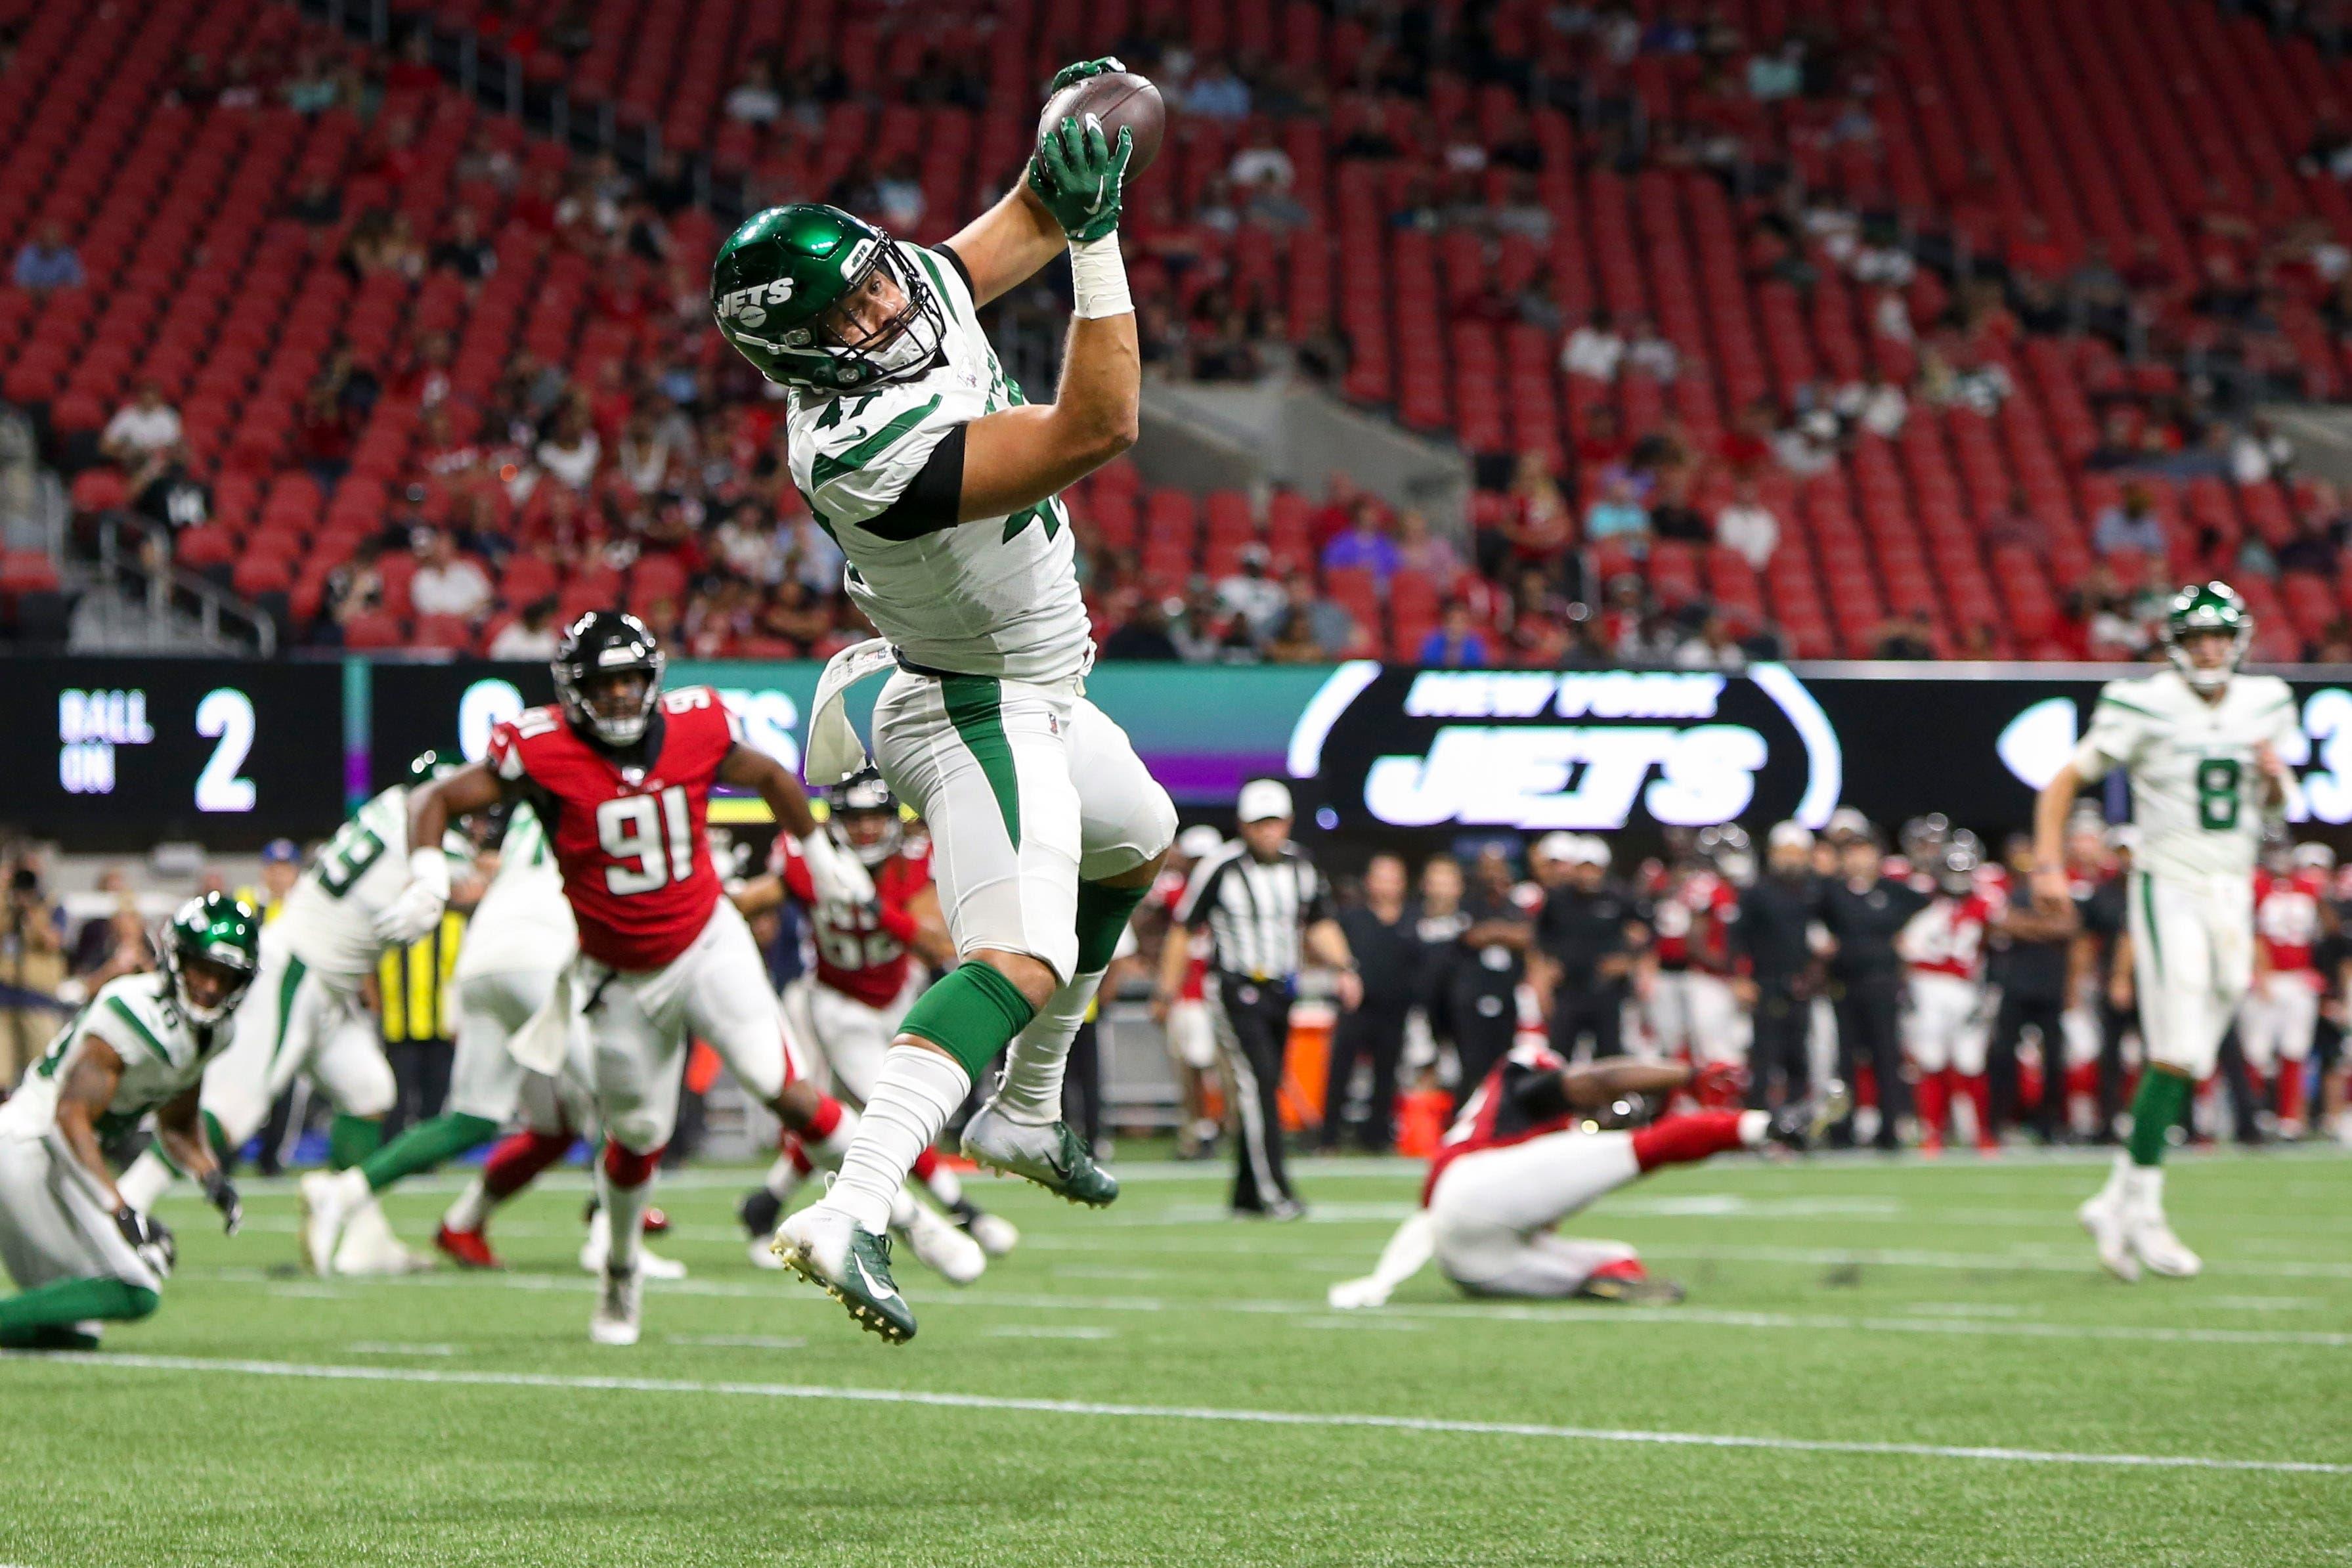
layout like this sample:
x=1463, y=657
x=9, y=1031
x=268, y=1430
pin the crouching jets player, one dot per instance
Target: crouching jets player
x=2203, y=747
x=1523, y=1156
x=80, y=1254
x=305, y=1014
x=848, y=1009
x=940, y=482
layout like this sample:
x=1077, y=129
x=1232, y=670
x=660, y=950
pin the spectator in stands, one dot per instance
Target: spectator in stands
x=1364, y=545
x=570, y=449
x=1652, y=354
x=1747, y=526
x=96, y=941
x=2318, y=539
x=2129, y=524
x=142, y=428
x=355, y=588
x=32, y=958
x=1907, y=635
x=1746, y=447
x=1594, y=349
x=1712, y=645
x=531, y=634
x=1457, y=643
x=1250, y=593
x=1602, y=444
x=463, y=250
x=1672, y=516
x=1216, y=93
x=754, y=100
x=324, y=436
x=47, y=262
x=445, y=582
x=1142, y=635
x=1431, y=555
x=167, y=491
x=1617, y=513
x=2259, y=454
x=1310, y=628
x=1536, y=527
x=310, y=85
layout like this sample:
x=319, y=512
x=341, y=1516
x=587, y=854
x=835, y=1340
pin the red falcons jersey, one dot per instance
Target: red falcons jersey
x=630, y=839
x=1948, y=937
x=1495, y=1116
x=2286, y=917
x=1690, y=919
x=860, y=953
x=1166, y=894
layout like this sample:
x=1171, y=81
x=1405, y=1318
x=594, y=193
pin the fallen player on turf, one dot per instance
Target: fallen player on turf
x=1529, y=1148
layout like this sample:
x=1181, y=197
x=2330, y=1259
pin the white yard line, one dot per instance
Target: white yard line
x=1109, y=1411
x=379, y=1347
x=1046, y=1331
x=738, y=1341
x=782, y=1295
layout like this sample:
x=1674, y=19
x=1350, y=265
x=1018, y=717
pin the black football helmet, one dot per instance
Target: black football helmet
x=598, y=647
x=865, y=818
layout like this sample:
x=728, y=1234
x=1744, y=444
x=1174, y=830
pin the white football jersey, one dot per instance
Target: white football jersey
x=2195, y=786
x=329, y=922
x=993, y=597
x=162, y=1055
x=523, y=921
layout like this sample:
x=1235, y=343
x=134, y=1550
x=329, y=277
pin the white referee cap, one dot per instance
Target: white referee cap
x=1263, y=798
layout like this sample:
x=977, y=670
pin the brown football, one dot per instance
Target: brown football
x=1117, y=99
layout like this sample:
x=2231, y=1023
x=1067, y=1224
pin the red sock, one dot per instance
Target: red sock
x=2290, y=1091
x=628, y=1168
x=1934, y=1094
x=801, y=1162
x=1979, y=1092
x=822, y=1120
x=925, y=1166
x=518, y=1159
x=1622, y=1268
x=1679, y=1139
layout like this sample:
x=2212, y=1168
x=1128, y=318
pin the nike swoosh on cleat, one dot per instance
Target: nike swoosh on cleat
x=878, y=1292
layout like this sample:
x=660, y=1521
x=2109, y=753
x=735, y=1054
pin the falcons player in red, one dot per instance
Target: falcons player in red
x=2281, y=1014
x=621, y=774
x=850, y=1006
x=1526, y=1151
x=1694, y=1012
x=1946, y=1030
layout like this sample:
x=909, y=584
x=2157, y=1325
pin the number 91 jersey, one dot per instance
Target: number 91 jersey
x=628, y=830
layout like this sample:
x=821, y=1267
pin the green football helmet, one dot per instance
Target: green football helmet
x=2207, y=607
x=781, y=273
x=221, y=932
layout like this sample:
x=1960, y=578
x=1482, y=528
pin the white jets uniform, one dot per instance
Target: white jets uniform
x=55, y=1222
x=2196, y=794
x=985, y=727
x=521, y=939
x=303, y=1012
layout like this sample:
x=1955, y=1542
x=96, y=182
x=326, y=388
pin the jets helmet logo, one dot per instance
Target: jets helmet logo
x=748, y=307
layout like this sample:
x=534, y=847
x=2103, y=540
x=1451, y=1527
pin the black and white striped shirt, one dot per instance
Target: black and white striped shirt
x=1257, y=911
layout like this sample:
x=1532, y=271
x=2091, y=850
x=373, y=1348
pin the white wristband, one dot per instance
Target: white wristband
x=429, y=869
x=1098, y=279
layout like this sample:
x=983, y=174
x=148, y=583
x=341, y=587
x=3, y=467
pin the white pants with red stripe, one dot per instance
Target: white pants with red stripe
x=1492, y=1213
x=1946, y=1027
x=850, y=1037
x=641, y=1020
x=2278, y=1018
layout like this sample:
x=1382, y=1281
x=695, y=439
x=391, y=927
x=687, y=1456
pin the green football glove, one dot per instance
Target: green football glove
x=1080, y=176
x=1078, y=70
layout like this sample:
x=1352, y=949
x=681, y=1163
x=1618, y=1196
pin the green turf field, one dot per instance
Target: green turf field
x=1878, y=1365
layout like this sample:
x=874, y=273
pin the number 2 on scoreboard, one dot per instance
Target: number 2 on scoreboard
x=656, y=832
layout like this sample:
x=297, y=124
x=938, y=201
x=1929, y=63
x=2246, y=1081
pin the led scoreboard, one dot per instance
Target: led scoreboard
x=116, y=753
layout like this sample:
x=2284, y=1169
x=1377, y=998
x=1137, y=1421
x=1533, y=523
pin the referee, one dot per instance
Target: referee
x=1265, y=908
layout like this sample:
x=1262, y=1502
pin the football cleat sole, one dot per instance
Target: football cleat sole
x=869, y=1318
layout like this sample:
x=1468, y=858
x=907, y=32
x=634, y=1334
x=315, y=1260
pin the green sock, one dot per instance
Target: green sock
x=64, y=1302
x=970, y=1014
x=425, y=1145
x=351, y=1139
x=2155, y=1108
x=1103, y=914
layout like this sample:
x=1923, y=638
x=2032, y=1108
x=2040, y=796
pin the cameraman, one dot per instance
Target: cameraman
x=32, y=958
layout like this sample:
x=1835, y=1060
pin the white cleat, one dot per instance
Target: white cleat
x=942, y=1247
x=368, y=1247
x=1349, y=1295
x=597, y=1251
x=2153, y=1241
x=615, y=1321
x=2102, y=1215
x=325, y=1212
x=996, y=1234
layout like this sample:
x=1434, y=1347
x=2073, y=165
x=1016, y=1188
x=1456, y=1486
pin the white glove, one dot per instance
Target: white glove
x=1348, y=1294
x=418, y=908
x=838, y=877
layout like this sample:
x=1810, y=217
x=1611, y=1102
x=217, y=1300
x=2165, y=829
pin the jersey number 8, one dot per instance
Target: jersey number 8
x=633, y=828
